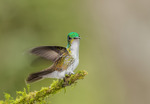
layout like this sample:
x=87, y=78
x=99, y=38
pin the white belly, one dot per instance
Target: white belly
x=76, y=63
x=56, y=74
x=60, y=75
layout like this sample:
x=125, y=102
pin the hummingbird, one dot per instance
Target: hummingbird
x=65, y=59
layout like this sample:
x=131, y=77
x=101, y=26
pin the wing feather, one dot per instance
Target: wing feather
x=49, y=52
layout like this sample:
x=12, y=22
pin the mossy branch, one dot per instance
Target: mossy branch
x=39, y=96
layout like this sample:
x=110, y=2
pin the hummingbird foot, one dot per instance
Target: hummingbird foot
x=70, y=73
x=66, y=79
x=66, y=82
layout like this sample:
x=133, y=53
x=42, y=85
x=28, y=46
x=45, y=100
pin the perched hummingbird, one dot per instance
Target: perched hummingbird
x=65, y=60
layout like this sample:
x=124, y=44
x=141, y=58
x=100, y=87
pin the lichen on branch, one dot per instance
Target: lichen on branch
x=39, y=96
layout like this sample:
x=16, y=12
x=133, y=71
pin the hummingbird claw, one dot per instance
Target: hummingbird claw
x=64, y=79
x=65, y=83
x=70, y=73
x=73, y=73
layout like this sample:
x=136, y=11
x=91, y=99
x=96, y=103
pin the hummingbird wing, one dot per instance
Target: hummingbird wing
x=49, y=52
x=61, y=64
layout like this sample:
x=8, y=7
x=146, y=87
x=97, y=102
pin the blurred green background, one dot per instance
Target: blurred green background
x=114, y=47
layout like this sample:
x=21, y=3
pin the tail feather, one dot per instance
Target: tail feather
x=33, y=79
x=36, y=76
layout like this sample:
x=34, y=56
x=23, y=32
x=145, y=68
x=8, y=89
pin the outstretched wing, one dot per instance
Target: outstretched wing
x=49, y=52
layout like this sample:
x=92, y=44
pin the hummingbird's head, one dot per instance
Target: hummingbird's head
x=73, y=37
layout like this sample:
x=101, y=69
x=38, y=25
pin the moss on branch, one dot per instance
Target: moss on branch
x=39, y=96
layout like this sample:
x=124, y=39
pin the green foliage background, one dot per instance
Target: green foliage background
x=25, y=24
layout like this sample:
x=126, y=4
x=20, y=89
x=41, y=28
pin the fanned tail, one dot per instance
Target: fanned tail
x=37, y=76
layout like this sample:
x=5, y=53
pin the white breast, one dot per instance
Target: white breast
x=75, y=49
x=75, y=52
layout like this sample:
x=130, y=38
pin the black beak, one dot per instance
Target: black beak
x=77, y=38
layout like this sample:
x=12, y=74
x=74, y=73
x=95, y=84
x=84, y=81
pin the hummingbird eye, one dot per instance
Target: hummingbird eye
x=69, y=38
